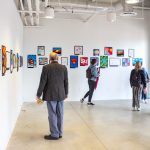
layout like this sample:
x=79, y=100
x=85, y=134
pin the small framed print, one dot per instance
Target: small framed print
x=31, y=61
x=97, y=60
x=114, y=62
x=41, y=50
x=78, y=50
x=73, y=61
x=125, y=62
x=135, y=60
x=96, y=52
x=120, y=52
x=64, y=61
x=43, y=61
x=131, y=53
x=108, y=50
x=57, y=50
x=83, y=61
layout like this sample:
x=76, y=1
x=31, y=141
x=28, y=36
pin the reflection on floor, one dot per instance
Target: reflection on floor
x=109, y=125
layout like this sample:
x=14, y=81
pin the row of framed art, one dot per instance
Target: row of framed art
x=78, y=50
x=102, y=61
x=9, y=60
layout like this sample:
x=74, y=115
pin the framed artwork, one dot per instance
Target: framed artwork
x=0, y=59
x=18, y=61
x=31, y=61
x=21, y=61
x=108, y=50
x=135, y=60
x=103, y=61
x=43, y=61
x=73, y=61
x=97, y=59
x=14, y=61
x=125, y=62
x=78, y=50
x=57, y=50
x=11, y=61
x=41, y=50
x=8, y=60
x=131, y=53
x=83, y=61
x=96, y=52
x=120, y=52
x=114, y=62
x=4, y=60
x=64, y=61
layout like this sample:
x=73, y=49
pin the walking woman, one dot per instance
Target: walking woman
x=137, y=82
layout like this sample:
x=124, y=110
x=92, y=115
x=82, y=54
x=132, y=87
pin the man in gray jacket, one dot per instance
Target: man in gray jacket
x=54, y=87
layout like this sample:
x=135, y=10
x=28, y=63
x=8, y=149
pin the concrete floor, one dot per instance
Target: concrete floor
x=109, y=125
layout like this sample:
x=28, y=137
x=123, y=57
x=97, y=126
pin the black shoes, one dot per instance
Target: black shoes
x=82, y=100
x=49, y=137
x=90, y=103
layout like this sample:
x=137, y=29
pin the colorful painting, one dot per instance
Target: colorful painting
x=0, y=59
x=57, y=50
x=4, y=60
x=135, y=60
x=120, y=52
x=11, y=61
x=108, y=51
x=73, y=61
x=83, y=61
x=114, y=62
x=96, y=52
x=14, y=61
x=97, y=59
x=78, y=50
x=41, y=50
x=8, y=60
x=43, y=61
x=125, y=62
x=103, y=61
x=18, y=62
x=131, y=53
x=21, y=61
x=64, y=61
x=31, y=61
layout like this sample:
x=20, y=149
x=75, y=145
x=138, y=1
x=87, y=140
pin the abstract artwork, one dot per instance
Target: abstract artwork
x=97, y=60
x=43, y=61
x=83, y=61
x=57, y=50
x=11, y=61
x=73, y=61
x=18, y=61
x=21, y=61
x=31, y=61
x=131, y=53
x=103, y=61
x=125, y=62
x=0, y=59
x=135, y=60
x=8, y=60
x=96, y=52
x=64, y=61
x=120, y=52
x=4, y=60
x=41, y=50
x=114, y=62
x=14, y=61
x=78, y=50
x=108, y=51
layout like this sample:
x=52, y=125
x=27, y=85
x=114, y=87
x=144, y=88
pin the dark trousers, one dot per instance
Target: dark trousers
x=143, y=95
x=92, y=85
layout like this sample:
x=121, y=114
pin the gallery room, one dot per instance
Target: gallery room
x=47, y=47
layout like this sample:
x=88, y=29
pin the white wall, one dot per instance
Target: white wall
x=11, y=35
x=98, y=33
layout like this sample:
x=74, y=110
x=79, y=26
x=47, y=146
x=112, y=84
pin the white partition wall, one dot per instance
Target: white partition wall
x=11, y=35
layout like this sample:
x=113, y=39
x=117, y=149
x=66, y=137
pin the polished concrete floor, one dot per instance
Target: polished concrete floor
x=109, y=125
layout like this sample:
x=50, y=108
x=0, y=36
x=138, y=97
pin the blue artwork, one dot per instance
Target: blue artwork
x=31, y=61
x=135, y=60
x=73, y=61
x=97, y=59
x=125, y=62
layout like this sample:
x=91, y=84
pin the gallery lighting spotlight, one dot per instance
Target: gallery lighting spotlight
x=49, y=12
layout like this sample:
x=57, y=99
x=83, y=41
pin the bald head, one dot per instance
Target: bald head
x=53, y=56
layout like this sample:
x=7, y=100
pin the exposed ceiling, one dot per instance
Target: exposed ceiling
x=32, y=11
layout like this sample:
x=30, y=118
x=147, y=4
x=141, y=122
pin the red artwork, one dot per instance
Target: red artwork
x=4, y=60
x=83, y=61
x=108, y=51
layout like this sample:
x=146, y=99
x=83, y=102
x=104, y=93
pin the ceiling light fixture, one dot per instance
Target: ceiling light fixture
x=49, y=12
x=132, y=1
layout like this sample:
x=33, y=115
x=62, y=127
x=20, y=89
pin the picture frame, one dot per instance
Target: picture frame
x=108, y=50
x=120, y=52
x=103, y=61
x=64, y=61
x=11, y=61
x=0, y=60
x=96, y=52
x=18, y=61
x=31, y=61
x=43, y=60
x=21, y=61
x=131, y=53
x=83, y=61
x=57, y=50
x=41, y=50
x=4, y=60
x=114, y=62
x=125, y=62
x=78, y=50
x=73, y=61
x=97, y=59
x=135, y=60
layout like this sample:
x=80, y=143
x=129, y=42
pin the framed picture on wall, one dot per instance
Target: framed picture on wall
x=73, y=61
x=31, y=61
x=125, y=62
x=11, y=61
x=41, y=50
x=83, y=61
x=8, y=60
x=135, y=60
x=21, y=61
x=97, y=60
x=78, y=50
x=64, y=61
x=108, y=50
x=18, y=61
x=0, y=60
x=131, y=53
x=57, y=50
x=96, y=52
x=43, y=61
x=103, y=61
x=120, y=52
x=114, y=62
x=4, y=60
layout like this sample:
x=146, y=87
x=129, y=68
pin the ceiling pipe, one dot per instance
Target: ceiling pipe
x=37, y=3
x=30, y=8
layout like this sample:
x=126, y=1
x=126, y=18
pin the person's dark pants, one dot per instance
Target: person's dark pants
x=92, y=85
x=143, y=95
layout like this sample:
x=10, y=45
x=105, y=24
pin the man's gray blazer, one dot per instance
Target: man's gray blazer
x=54, y=82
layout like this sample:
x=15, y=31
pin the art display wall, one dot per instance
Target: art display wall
x=77, y=43
x=11, y=47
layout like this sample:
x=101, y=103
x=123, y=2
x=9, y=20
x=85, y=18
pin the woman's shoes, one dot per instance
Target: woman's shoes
x=89, y=103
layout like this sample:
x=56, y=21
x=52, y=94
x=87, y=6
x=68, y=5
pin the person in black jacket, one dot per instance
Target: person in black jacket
x=54, y=87
x=137, y=82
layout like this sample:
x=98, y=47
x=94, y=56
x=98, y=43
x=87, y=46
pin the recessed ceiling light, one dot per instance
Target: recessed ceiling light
x=132, y=1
